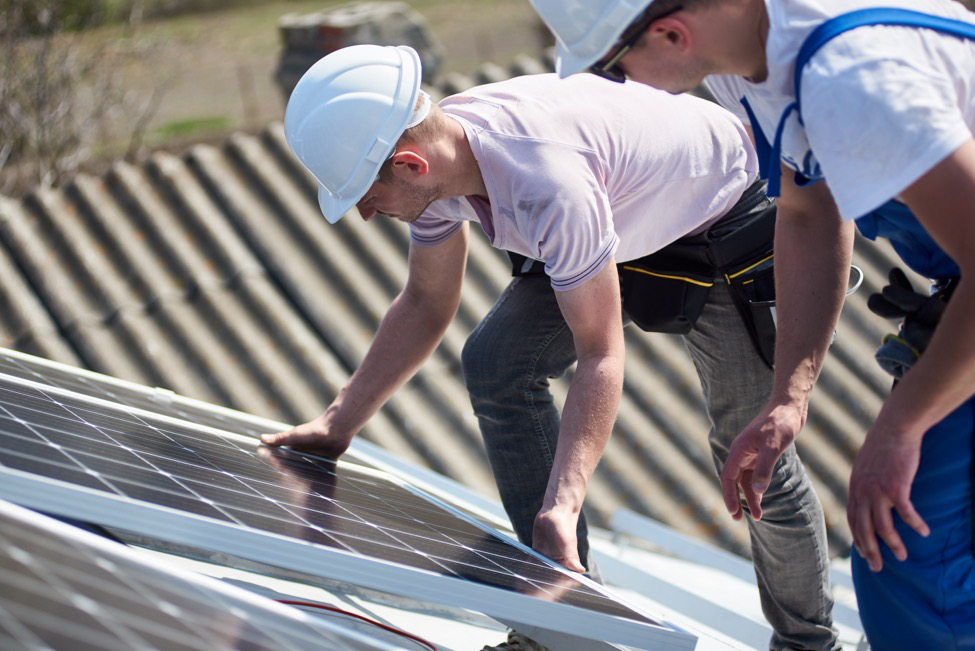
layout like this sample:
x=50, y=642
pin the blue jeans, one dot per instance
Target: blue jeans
x=523, y=342
x=928, y=601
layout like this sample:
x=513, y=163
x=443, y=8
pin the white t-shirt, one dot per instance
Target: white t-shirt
x=582, y=169
x=881, y=105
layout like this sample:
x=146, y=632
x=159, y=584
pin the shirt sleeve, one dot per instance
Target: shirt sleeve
x=562, y=211
x=878, y=114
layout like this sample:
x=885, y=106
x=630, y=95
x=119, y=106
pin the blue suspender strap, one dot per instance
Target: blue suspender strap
x=762, y=148
x=833, y=28
x=775, y=155
x=877, y=16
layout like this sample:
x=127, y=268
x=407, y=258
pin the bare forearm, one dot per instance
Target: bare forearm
x=587, y=422
x=407, y=336
x=812, y=262
x=411, y=329
x=944, y=376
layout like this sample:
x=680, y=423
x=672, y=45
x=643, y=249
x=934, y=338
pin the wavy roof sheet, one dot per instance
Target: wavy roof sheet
x=213, y=274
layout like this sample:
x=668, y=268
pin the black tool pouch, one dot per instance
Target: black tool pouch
x=666, y=291
x=752, y=286
x=661, y=292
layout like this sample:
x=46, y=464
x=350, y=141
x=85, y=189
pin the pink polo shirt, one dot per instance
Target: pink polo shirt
x=580, y=170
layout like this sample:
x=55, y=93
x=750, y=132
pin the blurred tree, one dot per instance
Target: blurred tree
x=58, y=93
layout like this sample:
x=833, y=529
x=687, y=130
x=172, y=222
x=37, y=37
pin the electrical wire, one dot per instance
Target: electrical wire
x=391, y=629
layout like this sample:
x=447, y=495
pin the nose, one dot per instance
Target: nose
x=366, y=210
x=367, y=213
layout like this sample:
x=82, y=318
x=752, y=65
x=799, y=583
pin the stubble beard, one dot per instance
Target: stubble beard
x=416, y=200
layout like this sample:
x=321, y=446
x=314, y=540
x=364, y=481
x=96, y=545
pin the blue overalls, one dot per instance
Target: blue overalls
x=927, y=601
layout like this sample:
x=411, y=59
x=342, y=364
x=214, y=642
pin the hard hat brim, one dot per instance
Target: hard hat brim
x=332, y=208
x=567, y=63
x=593, y=46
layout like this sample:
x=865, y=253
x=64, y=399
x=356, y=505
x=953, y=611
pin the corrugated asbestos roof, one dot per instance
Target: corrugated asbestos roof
x=214, y=275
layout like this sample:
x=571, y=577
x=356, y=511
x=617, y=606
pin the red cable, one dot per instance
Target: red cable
x=391, y=629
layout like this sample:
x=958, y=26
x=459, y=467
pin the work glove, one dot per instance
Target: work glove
x=919, y=313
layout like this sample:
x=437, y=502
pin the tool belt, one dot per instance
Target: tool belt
x=666, y=291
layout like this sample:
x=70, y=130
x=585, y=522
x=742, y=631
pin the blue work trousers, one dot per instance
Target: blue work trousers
x=928, y=601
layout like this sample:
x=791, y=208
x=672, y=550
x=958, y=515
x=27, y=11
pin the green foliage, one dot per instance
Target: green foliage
x=46, y=17
x=183, y=128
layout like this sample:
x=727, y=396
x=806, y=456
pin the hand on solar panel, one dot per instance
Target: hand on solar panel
x=555, y=536
x=315, y=436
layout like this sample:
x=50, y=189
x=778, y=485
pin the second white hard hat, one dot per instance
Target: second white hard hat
x=585, y=30
x=346, y=114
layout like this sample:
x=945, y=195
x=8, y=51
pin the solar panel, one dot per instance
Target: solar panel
x=160, y=401
x=168, y=403
x=62, y=588
x=132, y=469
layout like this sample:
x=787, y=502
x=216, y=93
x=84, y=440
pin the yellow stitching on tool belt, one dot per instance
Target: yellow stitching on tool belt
x=749, y=268
x=684, y=278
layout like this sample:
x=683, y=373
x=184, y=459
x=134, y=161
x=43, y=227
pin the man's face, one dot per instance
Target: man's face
x=397, y=199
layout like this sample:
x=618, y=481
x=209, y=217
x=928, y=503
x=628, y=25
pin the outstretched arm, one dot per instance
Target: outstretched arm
x=408, y=334
x=813, y=248
x=594, y=315
x=942, y=379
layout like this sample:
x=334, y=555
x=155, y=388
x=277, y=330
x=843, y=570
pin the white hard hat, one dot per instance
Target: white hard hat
x=585, y=30
x=346, y=114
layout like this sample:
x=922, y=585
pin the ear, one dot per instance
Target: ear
x=672, y=30
x=409, y=163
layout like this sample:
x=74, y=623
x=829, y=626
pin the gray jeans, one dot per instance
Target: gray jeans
x=524, y=341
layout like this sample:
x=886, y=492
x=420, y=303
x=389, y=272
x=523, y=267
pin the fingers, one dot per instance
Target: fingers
x=737, y=476
x=762, y=474
x=281, y=438
x=865, y=537
x=752, y=497
x=567, y=558
x=730, y=478
x=554, y=536
x=872, y=522
x=913, y=519
x=572, y=563
x=295, y=437
x=311, y=437
x=884, y=524
x=754, y=487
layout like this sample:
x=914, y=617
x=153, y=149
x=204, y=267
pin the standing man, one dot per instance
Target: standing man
x=887, y=116
x=663, y=184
